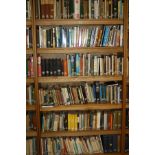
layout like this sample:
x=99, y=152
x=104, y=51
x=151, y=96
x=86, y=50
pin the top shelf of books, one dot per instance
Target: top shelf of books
x=78, y=21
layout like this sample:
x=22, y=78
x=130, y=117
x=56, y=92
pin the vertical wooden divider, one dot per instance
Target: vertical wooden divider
x=125, y=21
x=36, y=80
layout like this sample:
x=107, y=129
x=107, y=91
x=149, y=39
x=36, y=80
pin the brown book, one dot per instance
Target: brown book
x=46, y=8
x=42, y=9
x=86, y=9
x=51, y=8
x=110, y=120
x=65, y=67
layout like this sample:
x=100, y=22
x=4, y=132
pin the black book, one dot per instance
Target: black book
x=30, y=37
x=43, y=67
x=37, y=38
x=51, y=67
x=48, y=38
x=46, y=67
x=110, y=143
x=114, y=143
x=55, y=67
x=58, y=64
x=61, y=67
x=84, y=94
x=104, y=139
x=115, y=9
x=127, y=118
x=51, y=32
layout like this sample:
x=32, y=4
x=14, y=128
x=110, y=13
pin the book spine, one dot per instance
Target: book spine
x=39, y=66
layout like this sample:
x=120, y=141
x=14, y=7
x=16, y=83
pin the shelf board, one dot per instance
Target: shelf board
x=31, y=133
x=29, y=51
x=79, y=133
x=108, y=50
x=82, y=107
x=78, y=21
x=66, y=79
x=30, y=107
x=28, y=22
x=29, y=80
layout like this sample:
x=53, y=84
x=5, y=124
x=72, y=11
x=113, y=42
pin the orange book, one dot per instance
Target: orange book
x=65, y=67
x=110, y=120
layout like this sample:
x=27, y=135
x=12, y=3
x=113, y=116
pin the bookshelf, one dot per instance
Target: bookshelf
x=39, y=81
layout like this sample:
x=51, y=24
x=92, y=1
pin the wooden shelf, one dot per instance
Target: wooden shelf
x=105, y=50
x=29, y=80
x=79, y=133
x=82, y=107
x=105, y=154
x=28, y=22
x=29, y=51
x=78, y=21
x=31, y=133
x=30, y=107
x=66, y=79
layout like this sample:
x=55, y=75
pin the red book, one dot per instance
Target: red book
x=31, y=66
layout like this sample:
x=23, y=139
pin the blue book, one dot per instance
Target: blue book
x=121, y=9
x=69, y=65
x=77, y=64
x=94, y=91
x=72, y=65
x=101, y=98
x=106, y=34
x=104, y=93
x=114, y=143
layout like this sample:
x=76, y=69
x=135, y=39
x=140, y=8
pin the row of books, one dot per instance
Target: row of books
x=81, y=94
x=74, y=121
x=79, y=9
x=31, y=123
x=28, y=37
x=28, y=9
x=30, y=95
x=80, y=145
x=81, y=65
x=30, y=66
x=80, y=36
x=31, y=148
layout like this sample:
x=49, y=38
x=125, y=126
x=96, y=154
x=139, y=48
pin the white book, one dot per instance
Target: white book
x=112, y=65
x=98, y=66
x=95, y=65
x=101, y=66
x=89, y=69
x=89, y=9
x=76, y=9
x=74, y=42
x=89, y=146
x=98, y=119
x=96, y=9
x=121, y=35
x=105, y=121
x=109, y=65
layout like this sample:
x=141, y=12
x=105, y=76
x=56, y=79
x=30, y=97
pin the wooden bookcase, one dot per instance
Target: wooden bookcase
x=33, y=23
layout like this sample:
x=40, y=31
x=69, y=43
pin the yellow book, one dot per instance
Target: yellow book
x=75, y=121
